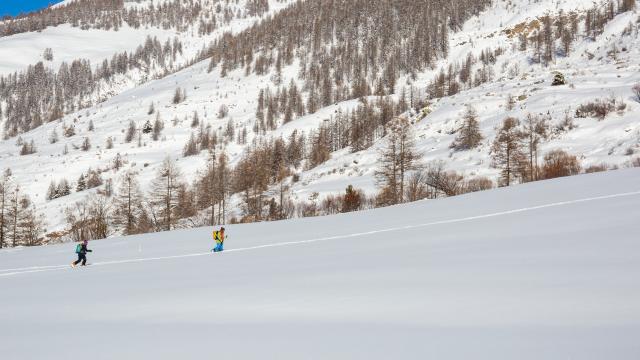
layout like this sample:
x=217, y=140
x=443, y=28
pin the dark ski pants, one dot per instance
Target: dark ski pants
x=81, y=258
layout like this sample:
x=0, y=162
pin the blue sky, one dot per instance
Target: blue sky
x=14, y=7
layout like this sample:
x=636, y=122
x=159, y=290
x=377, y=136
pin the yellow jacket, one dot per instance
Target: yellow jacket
x=218, y=236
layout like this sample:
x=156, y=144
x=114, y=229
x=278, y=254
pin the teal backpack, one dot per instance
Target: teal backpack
x=78, y=248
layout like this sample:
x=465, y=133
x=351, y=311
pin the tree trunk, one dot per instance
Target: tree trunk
x=168, y=202
x=2, y=220
x=15, y=221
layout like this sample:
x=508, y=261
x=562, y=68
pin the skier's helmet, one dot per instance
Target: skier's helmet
x=85, y=242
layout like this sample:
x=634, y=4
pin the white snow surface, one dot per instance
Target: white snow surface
x=69, y=43
x=546, y=270
x=613, y=141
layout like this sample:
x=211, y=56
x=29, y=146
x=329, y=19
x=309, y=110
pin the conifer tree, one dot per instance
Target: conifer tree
x=131, y=132
x=82, y=184
x=191, y=147
x=469, y=136
x=352, y=200
x=158, y=126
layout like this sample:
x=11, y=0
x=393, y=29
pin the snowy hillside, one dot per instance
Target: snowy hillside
x=599, y=67
x=612, y=141
x=78, y=54
x=69, y=42
x=533, y=271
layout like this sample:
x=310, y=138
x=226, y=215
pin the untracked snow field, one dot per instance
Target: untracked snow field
x=547, y=270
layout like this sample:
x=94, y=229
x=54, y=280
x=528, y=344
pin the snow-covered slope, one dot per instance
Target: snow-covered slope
x=69, y=43
x=613, y=141
x=529, y=272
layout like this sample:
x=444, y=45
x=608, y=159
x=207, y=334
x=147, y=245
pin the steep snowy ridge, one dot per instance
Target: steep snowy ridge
x=533, y=271
x=614, y=140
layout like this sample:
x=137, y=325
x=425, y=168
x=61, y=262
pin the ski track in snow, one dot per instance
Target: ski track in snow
x=35, y=269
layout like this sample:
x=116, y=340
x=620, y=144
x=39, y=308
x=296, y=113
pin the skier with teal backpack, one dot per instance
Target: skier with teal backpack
x=218, y=237
x=81, y=250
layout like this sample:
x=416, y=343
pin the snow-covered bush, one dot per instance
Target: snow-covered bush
x=558, y=79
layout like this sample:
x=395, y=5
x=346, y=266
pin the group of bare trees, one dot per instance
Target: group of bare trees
x=265, y=173
x=547, y=37
x=469, y=72
x=86, y=13
x=265, y=163
x=205, y=138
x=403, y=177
x=515, y=151
x=20, y=223
x=112, y=15
x=285, y=103
x=169, y=200
x=397, y=160
x=214, y=185
x=346, y=57
x=88, y=219
x=555, y=34
x=358, y=129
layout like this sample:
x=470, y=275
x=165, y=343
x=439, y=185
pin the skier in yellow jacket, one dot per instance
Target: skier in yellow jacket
x=218, y=237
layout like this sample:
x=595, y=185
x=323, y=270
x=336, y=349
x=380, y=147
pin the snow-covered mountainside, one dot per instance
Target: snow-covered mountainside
x=232, y=100
x=77, y=54
x=69, y=42
x=533, y=271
